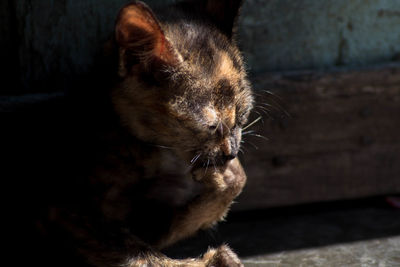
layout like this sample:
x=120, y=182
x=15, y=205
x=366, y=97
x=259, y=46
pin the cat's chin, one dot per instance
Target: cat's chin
x=196, y=167
x=207, y=164
x=200, y=165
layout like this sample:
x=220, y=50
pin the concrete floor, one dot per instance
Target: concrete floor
x=383, y=252
x=351, y=233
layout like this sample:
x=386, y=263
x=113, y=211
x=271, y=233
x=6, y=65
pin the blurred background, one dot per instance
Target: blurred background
x=323, y=163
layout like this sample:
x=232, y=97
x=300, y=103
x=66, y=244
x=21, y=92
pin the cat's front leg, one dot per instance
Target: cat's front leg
x=223, y=256
x=221, y=185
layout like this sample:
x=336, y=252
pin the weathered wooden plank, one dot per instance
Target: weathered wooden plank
x=342, y=141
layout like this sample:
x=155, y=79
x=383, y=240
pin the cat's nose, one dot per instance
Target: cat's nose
x=230, y=157
x=229, y=149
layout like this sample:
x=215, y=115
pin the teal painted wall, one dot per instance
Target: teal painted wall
x=304, y=34
x=53, y=40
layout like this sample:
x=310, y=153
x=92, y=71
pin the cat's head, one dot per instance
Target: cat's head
x=183, y=83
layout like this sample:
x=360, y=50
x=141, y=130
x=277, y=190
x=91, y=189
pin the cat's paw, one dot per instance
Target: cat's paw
x=228, y=178
x=223, y=257
x=234, y=175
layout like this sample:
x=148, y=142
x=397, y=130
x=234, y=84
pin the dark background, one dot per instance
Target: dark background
x=325, y=73
x=327, y=80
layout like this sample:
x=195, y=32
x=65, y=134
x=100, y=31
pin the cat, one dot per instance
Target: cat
x=132, y=168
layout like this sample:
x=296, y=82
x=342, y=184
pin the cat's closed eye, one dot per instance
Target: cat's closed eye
x=212, y=128
x=217, y=129
x=241, y=119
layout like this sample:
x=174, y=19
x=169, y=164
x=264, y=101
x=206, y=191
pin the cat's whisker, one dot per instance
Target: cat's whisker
x=208, y=163
x=243, y=148
x=278, y=108
x=253, y=145
x=262, y=94
x=242, y=142
x=165, y=147
x=275, y=97
x=248, y=132
x=257, y=94
x=262, y=108
x=278, y=104
x=215, y=168
x=194, y=159
x=268, y=92
x=252, y=123
x=258, y=113
x=265, y=111
x=260, y=136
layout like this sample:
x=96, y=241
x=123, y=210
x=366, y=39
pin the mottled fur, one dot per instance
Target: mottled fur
x=156, y=160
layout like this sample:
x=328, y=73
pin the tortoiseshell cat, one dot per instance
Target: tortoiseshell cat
x=160, y=163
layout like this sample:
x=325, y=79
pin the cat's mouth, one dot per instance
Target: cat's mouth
x=208, y=162
x=199, y=162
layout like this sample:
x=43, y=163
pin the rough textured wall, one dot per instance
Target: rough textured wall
x=56, y=40
x=59, y=38
x=8, y=50
x=287, y=34
x=51, y=41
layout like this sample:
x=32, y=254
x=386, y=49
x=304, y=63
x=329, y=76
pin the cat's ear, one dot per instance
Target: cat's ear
x=141, y=39
x=224, y=13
